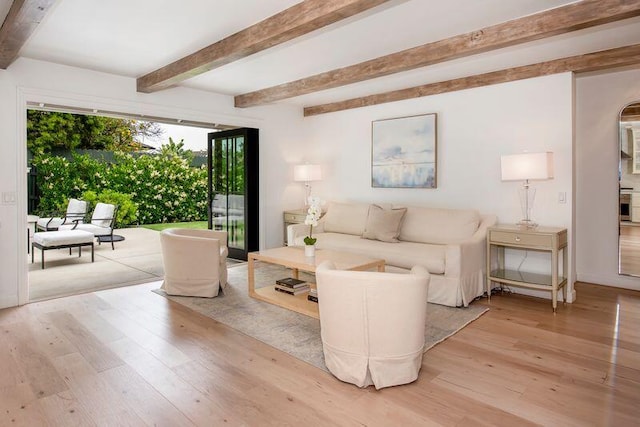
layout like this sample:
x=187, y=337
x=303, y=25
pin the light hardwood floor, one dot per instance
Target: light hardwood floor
x=130, y=357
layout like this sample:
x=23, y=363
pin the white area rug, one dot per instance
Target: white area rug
x=295, y=333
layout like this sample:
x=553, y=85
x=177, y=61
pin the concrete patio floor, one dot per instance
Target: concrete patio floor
x=137, y=259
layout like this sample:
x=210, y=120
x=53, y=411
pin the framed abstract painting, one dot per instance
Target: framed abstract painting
x=403, y=152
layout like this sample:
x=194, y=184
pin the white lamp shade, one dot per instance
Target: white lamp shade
x=528, y=166
x=307, y=173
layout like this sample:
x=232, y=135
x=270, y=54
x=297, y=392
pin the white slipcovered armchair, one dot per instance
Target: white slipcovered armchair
x=195, y=261
x=372, y=324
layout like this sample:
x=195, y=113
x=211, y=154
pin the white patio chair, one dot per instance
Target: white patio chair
x=102, y=223
x=76, y=211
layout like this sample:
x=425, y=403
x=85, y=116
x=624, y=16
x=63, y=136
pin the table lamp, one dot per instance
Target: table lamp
x=527, y=167
x=307, y=173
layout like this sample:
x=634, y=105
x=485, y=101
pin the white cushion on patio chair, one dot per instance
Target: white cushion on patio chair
x=372, y=324
x=102, y=221
x=96, y=230
x=195, y=261
x=76, y=210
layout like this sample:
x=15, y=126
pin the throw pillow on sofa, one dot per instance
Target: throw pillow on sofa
x=383, y=224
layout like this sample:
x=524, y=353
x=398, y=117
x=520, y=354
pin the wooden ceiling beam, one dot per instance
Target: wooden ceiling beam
x=613, y=58
x=293, y=22
x=575, y=16
x=21, y=21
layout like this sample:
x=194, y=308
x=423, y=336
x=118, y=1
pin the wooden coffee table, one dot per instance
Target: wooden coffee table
x=293, y=257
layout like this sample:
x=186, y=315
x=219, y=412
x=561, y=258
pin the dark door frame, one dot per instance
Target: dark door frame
x=250, y=190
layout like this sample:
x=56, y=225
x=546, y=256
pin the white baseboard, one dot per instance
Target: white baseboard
x=618, y=281
x=7, y=301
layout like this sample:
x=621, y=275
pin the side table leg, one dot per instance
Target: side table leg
x=251, y=275
x=554, y=278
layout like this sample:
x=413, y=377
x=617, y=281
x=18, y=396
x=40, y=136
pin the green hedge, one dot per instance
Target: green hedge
x=164, y=187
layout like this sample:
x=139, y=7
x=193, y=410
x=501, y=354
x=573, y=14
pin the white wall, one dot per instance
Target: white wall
x=30, y=80
x=475, y=127
x=8, y=214
x=599, y=99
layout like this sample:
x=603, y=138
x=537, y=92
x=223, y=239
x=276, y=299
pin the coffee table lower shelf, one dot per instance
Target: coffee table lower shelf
x=293, y=257
x=298, y=303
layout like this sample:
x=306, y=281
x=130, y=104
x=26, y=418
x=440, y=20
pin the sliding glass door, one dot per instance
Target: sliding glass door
x=233, y=188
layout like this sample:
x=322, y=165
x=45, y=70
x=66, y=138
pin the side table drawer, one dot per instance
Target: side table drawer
x=294, y=218
x=538, y=240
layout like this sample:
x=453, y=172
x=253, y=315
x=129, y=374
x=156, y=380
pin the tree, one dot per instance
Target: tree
x=176, y=149
x=48, y=130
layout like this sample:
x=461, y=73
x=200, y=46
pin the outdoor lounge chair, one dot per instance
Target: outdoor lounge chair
x=103, y=221
x=76, y=211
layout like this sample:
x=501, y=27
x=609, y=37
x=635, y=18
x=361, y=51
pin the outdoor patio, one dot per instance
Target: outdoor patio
x=135, y=260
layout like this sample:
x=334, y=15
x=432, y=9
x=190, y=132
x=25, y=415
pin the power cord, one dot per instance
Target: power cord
x=526, y=254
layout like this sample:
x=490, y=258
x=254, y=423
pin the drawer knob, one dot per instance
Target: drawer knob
x=517, y=238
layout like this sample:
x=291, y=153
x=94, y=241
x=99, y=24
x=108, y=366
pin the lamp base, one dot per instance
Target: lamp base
x=526, y=223
x=527, y=197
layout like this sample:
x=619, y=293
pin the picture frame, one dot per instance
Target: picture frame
x=404, y=152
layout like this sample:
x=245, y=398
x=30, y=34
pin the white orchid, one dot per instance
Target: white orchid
x=313, y=215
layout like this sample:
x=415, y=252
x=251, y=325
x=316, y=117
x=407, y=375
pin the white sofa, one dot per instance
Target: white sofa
x=449, y=243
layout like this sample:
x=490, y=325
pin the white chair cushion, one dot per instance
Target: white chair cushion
x=93, y=229
x=62, y=237
x=76, y=207
x=49, y=222
x=102, y=211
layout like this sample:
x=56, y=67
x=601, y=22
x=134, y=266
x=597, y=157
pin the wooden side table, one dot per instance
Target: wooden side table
x=295, y=216
x=543, y=239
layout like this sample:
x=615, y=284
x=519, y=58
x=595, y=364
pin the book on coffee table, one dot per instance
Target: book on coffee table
x=291, y=291
x=292, y=283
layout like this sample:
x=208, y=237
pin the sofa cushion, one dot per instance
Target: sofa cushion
x=444, y=226
x=403, y=254
x=383, y=224
x=347, y=218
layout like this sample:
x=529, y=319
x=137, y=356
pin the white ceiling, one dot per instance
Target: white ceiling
x=132, y=38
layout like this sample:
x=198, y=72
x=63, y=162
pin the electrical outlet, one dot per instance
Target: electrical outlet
x=562, y=197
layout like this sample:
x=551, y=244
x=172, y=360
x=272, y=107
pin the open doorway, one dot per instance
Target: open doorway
x=152, y=169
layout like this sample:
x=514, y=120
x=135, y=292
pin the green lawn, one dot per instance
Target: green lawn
x=160, y=227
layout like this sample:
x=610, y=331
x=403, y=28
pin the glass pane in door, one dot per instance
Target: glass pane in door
x=228, y=206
